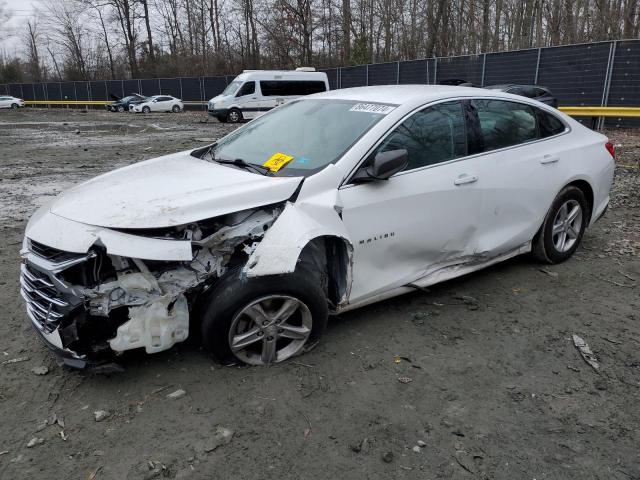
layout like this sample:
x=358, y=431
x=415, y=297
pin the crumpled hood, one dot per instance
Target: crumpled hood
x=168, y=191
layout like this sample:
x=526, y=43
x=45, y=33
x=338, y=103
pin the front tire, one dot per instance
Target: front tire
x=146, y=110
x=563, y=227
x=263, y=320
x=234, y=116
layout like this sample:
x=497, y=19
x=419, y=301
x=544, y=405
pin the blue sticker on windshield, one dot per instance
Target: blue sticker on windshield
x=301, y=160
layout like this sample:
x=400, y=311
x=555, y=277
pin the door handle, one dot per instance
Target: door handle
x=549, y=159
x=464, y=179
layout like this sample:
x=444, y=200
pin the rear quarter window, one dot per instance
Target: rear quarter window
x=548, y=124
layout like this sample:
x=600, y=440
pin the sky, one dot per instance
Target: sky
x=21, y=10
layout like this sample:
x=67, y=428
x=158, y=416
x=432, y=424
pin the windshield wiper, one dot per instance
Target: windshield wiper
x=239, y=162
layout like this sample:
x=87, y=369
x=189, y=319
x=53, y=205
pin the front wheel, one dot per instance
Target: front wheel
x=146, y=109
x=263, y=320
x=234, y=116
x=563, y=227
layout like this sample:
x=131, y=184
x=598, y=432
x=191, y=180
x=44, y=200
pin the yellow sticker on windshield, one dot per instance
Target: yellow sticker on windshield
x=277, y=161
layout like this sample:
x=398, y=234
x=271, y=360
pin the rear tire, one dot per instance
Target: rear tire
x=234, y=116
x=563, y=227
x=229, y=313
x=175, y=108
x=14, y=106
x=120, y=109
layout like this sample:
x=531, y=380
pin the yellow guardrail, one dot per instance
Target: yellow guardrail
x=66, y=102
x=617, y=112
x=601, y=111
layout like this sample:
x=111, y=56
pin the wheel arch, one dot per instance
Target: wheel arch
x=332, y=256
x=588, y=192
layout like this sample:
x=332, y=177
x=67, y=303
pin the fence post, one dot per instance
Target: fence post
x=339, y=77
x=367, y=81
x=484, y=61
x=398, y=72
x=535, y=81
x=435, y=70
x=607, y=80
x=426, y=67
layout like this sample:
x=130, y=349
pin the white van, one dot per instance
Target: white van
x=255, y=92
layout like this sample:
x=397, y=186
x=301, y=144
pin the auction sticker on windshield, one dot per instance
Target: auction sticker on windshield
x=277, y=161
x=372, y=108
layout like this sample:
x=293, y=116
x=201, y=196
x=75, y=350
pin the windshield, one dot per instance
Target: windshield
x=301, y=137
x=232, y=88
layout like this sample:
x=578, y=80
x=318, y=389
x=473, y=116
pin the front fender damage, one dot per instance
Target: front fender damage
x=152, y=299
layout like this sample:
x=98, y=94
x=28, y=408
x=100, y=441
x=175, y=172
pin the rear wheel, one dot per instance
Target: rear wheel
x=120, y=109
x=234, y=116
x=563, y=227
x=14, y=106
x=263, y=320
x=175, y=108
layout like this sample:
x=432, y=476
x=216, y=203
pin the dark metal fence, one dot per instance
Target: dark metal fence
x=591, y=74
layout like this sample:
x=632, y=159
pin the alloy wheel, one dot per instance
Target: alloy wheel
x=567, y=226
x=270, y=329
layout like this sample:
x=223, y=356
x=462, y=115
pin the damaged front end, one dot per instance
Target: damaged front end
x=86, y=306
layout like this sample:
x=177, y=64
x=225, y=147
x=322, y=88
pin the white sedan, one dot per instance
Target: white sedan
x=158, y=103
x=7, y=101
x=323, y=205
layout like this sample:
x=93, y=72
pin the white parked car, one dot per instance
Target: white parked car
x=325, y=204
x=158, y=103
x=255, y=92
x=7, y=101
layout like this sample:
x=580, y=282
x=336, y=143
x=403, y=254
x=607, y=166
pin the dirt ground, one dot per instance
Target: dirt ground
x=497, y=388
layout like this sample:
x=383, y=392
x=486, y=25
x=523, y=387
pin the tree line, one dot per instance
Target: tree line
x=114, y=39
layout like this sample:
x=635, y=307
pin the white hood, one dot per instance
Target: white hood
x=168, y=191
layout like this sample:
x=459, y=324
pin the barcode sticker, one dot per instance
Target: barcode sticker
x=372, y=108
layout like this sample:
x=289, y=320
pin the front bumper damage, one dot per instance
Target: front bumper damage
x=88, y=306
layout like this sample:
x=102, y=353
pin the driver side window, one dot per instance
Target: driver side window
x=433, y=135
x=247, y=89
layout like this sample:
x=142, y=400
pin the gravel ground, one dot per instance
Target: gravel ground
x=477, y=379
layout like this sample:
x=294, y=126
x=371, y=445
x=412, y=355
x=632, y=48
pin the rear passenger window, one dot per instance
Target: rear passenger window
x=283, y=88
x=433, y=135
x=548, y=124
x=504, y=123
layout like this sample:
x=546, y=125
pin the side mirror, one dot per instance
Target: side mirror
x=384, y=165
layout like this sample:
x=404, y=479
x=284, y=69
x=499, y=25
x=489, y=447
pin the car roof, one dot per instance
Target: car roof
x=403, y=94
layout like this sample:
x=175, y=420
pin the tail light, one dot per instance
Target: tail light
x=611, y=149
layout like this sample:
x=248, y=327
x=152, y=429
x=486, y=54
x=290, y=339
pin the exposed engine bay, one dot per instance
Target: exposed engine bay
x=101, y=302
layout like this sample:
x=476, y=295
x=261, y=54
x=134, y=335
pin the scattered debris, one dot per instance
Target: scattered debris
x=63, y=436
x=405, y=380
x=549, y=272
x=34, y=442
x=422, y=444
x=4, y=452
x=387, y=457
x=416, y=449
x=101, y=415
x=15, y=360
x=573, y=369
x=221, y=437
x=359, y=447
x=41, y=370
x=94, y=474
x=177, y=394
x=586, y=352
x=611, y=340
